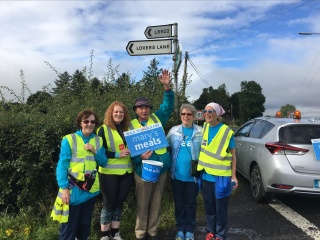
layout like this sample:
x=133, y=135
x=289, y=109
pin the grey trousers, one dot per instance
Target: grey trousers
x=148, y=197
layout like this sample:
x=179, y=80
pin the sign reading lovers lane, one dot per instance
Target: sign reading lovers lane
x=160, y=31
x=147, y=138
x=149, y=47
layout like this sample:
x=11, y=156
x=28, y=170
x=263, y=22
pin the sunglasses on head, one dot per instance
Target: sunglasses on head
x=87, y=121
x=188, y=114
x=208, y=111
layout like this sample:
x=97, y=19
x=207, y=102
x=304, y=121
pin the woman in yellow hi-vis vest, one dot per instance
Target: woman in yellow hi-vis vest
x=116, y=177
x=80, y=155
x=217, y=161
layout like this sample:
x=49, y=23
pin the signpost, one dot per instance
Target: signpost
x=149, y=47
x=156, y=47
x=161, y=31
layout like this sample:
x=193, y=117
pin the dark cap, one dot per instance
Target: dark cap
x=142, y=101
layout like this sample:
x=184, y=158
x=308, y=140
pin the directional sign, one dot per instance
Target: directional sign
x=149, y=47
x=161, y=31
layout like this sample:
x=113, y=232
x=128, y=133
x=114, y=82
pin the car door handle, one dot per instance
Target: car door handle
x=252, y=147
x=239, y=144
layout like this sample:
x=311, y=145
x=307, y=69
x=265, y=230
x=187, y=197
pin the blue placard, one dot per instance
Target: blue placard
x=147, y=138
x=316, y=147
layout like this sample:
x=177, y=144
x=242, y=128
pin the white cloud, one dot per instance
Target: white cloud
x=224, y=39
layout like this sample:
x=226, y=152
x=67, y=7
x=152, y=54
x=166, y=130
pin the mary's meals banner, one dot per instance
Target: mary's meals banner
x=147, y=138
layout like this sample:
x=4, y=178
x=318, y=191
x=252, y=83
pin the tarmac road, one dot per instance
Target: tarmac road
x=249, y=220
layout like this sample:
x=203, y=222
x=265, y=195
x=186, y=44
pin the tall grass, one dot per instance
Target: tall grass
x=26, y=224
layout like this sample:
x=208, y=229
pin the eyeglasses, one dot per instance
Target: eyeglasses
x=188, y=114
x=208, y=111
x=87, y=121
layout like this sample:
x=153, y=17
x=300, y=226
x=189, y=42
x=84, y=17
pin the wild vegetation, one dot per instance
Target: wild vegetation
x=33, y=124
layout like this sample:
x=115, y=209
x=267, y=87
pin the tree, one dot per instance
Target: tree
x=286, y=109
x=251, y=100
x=124, y=82
x=150, y=81
x=234, y=102
x=219, y=95
x=62, y=83
x=78, y=82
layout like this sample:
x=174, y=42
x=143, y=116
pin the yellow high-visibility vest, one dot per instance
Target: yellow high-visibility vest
x=215, y=157
x=60, y=211
x=118, y=166
x=82, y=162
x=134, y=124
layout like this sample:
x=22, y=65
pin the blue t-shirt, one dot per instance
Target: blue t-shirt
x=183, y=164
x=213, y=130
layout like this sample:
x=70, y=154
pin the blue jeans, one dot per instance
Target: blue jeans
x=79, y=222
x=216, y=210
x=185, y=204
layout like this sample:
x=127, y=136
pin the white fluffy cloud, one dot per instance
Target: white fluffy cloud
x=228, y=41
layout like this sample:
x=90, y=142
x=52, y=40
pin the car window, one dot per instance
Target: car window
x=299, y=134
x=244, y=131
x=260, y=129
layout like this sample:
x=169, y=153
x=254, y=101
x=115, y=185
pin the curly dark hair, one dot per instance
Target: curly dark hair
x=108, y=119
x=83, y=115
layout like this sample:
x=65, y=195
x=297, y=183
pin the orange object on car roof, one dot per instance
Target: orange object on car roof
x=278, y=114
x=297, y=114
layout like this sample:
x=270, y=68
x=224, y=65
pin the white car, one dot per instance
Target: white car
x=276, y=156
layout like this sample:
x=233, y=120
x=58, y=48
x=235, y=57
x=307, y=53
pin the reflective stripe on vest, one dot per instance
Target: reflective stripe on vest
x=214, y=157
x=153, y=119
x=82, y=161
x=117, y=166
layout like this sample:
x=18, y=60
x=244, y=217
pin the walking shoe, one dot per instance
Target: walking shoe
x=105, y=238
x=189, y=236
x=210, y=236
x=180, y=235
x=117, y=236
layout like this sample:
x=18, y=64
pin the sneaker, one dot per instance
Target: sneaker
x=105, y=238
x=180, y=235
x=117, y=236
x=210, y=236
x=189, y=236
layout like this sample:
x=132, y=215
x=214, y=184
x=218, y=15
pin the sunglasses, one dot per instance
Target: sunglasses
x=87, y=121
x=208, y=111
x=188, y=114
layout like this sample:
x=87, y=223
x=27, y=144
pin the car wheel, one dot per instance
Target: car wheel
x=256, y=185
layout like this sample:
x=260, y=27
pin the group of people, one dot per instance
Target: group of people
x=93, y=162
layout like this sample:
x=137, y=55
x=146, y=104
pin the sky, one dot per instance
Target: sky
x=227, y=41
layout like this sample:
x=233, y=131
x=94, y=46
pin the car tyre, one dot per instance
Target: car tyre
x=256, y=186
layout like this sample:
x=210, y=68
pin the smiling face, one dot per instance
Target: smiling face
x=143, y=113
x=117, y=114
x=87, y=125
x=210, y=116
x=186, y=117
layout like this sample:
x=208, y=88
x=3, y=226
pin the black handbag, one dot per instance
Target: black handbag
x=194, y=171
x=84, y=185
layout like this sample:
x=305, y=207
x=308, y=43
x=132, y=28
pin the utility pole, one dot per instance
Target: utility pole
x=176, y=65
x=184, y=77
